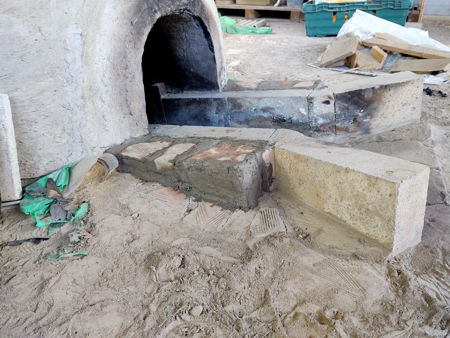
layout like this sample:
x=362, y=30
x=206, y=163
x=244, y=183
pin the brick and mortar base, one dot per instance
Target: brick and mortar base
x=379, y=196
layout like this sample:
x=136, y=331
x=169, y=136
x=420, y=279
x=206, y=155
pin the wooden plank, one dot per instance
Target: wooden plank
x=422, y=66
x=389, y=37
x=253, y=23
x=262, y=8
x=405, y=48
x=259, y=23
x=352, y=61
x=379, y=54
x=339, y=50
x=255, y=2
x=422, y=8
x=296, y=16
x=251, y=14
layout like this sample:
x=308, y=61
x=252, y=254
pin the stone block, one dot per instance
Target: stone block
x=270, y=111
x=250, y=134
x=380, y=104
x=381, y=197
x=140, y=151
x=227, y=174
x=10, y=185
x=166, y=160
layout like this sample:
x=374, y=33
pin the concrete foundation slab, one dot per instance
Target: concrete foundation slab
x=232, y=174
x=366, y=105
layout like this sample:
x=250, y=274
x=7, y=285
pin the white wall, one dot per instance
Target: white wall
x=437, y=7
x=72, y=70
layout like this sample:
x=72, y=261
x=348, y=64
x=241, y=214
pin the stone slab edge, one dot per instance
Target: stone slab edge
x=10, y=184
x=362, y=83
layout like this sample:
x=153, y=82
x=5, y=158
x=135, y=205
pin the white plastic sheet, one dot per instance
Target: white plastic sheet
x=435, y=79
x=365, y=25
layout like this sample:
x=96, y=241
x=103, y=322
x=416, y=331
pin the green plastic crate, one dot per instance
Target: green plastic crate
x=327, y=18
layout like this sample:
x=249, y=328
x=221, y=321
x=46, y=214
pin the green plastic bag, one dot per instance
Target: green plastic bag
x=53, y=225
x=35, y=203
x=229, y=26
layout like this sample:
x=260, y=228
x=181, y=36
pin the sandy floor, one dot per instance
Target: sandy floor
x=161, y=264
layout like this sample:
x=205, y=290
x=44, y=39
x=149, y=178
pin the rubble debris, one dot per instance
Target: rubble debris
x=382, y=37
x=436, y=79
x=368, y=26
x=431, y=92
x=34, y=240
x=45, y=196
x=59, y=254
x=339, y=50
x=35, y=201
x=52, y=190
x=75, y=244
x=196, y=311
x=58, y=213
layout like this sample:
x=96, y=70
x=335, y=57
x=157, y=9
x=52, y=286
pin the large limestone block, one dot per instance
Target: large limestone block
x=10, y=186
x=382, y=197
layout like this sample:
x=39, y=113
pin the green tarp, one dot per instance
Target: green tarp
x=35, y=203
x=229, y=26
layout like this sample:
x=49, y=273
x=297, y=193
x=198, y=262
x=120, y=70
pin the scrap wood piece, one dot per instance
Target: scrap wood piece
x=339, y=50
x=352, y=61
x=348, y=71
x=366, y=61
x=379, y=54
x=389, y=37
x=421, y=11
x=422, y=66
x=253, y=23
x=405, y=48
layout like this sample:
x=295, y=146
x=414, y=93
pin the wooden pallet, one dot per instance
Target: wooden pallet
x=416, y=13
x=252, y=11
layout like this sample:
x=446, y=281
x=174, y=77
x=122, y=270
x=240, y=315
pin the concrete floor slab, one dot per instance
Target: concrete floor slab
x=364, y=105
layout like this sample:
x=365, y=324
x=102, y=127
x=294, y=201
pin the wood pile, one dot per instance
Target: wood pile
x=371, y=54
